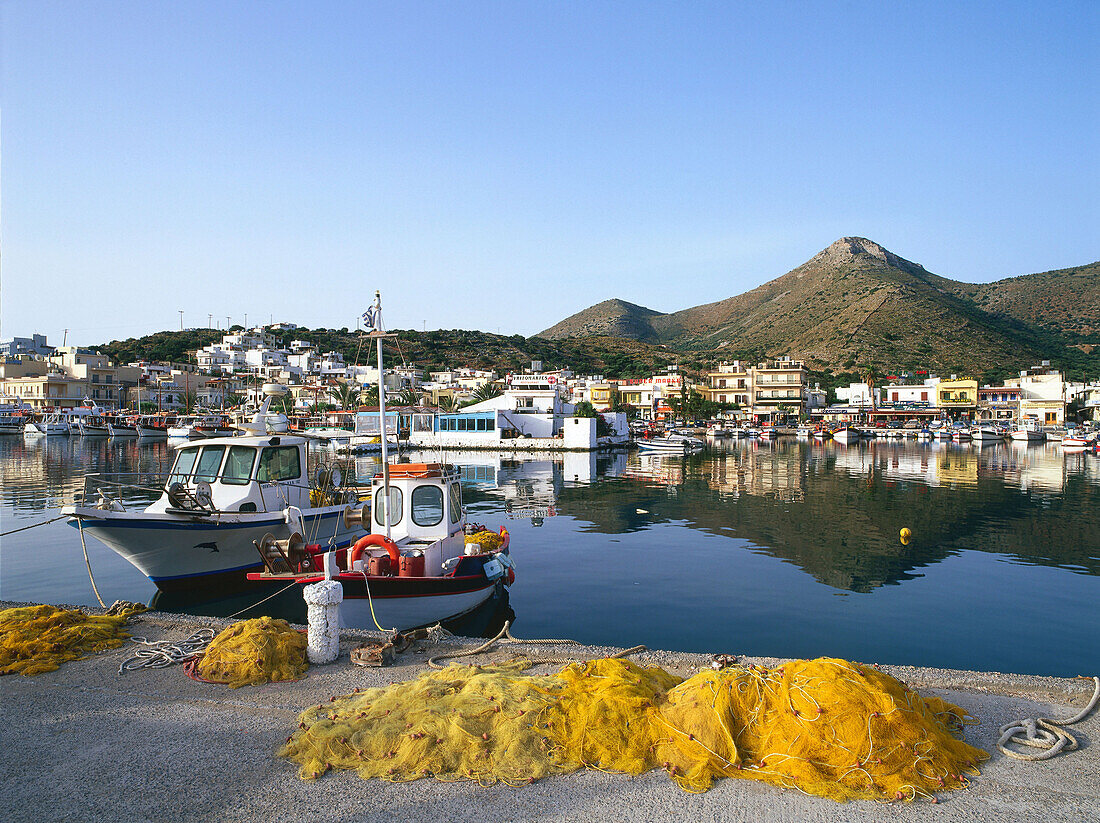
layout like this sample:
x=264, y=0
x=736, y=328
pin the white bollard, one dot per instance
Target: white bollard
x=323, y=601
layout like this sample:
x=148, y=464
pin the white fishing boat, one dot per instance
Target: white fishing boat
x=195, y=427
x=417, y=566
x=672, y=443
x=121, y=427
x=50, y=424
x=822, y=434
x=93, y=425
x=153, y=426
x=1029, y=431
x=846, y=434
x=221, y=495
x=986, y=433
x=803, y=432
x=11, y=424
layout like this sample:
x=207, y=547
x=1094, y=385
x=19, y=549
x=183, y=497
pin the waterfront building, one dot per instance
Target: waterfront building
x=779, y=389
x=1042, y=394
x=603, y=396
x=958, y=397
x=998, y=402
x=859, y=395
x=730, y=384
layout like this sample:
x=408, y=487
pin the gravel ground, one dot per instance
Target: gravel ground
x=84, y=743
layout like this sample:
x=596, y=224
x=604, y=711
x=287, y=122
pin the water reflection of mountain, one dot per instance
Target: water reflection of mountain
x=836, y=512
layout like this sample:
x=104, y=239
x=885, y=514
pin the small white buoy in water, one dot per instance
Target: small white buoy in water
x=641, y=511
x=323, y=617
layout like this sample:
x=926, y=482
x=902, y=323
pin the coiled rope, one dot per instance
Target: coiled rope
x=1044, y=732
x=505, y=636
x=163, y=653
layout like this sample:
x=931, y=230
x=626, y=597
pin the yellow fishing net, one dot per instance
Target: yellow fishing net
x=487, y=540
x=38, y=639
x=827, y=727
x=255, y=651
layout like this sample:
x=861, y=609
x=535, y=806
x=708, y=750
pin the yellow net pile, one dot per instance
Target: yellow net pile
x=827, y=727
x=38, y=639
x=487, y=540
x=255, y=651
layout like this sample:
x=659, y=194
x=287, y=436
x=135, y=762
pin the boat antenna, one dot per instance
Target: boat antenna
x=372, y=323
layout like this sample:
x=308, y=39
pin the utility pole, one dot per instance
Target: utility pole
x=65, y=339
x=209, y=321
x=181, y=318
x=227, y=324
x=246, y=321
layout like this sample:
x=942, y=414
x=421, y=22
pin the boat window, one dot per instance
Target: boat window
x=279, y=463
x=238, y=467
x=380, y=506
x=455, y=494
x=427, y=505
x=209, y=462
x=185, y=461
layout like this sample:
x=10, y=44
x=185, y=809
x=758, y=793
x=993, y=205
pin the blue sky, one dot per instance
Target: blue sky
x=503, y=165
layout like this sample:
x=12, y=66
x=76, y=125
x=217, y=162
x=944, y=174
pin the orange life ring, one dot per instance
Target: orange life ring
x=374, y=540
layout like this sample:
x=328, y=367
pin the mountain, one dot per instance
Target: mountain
x=1066, y=300
x=611, y=318
x=857, y=302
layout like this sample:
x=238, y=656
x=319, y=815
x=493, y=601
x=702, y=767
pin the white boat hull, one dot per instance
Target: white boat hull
x=179, y=552
x=1026, y=435
x=846, y=436
x=121, y=431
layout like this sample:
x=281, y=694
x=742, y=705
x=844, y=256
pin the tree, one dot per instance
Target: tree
x=188, y=399
x=584, y=409
x=447, y=403
x=407, y=397
x=486, y=391
x=347, y=394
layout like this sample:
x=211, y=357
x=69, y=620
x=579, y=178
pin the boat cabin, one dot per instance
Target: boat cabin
x=237, y=474
x=425, y=513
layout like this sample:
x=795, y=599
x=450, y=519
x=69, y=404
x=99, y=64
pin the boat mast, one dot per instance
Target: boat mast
x=372, y=320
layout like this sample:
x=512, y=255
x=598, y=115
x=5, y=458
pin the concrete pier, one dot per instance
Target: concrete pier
x=84, y=743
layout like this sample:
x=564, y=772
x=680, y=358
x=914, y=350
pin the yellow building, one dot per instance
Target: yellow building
x=959, y=396
x=604, y=396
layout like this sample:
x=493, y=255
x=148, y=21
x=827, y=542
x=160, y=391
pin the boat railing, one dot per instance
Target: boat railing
x=131, y=489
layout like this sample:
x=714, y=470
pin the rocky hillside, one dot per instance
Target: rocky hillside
x=611, y=318
x=857, y=302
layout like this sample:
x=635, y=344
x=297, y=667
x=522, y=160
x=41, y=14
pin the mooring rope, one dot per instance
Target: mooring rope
x=1044, y=732
x=163, y=653
x=505, y=636
x=87, y=562
x=34, y=525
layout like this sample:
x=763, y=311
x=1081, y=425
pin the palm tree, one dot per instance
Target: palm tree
x=447, y=403
x=347, y=394
x=407, y=397
x=485, y=391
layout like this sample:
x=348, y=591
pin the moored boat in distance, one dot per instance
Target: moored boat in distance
x=846, y=434
x=93, y=425
x=119, y=426
x=1029, y=431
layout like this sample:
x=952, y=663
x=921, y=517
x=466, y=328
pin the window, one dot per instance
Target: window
x=924, y=396
x=209, y=462
x=279, y=463
x=380, y=506
x=427, y=505
x=238, y=468
x=185, y=461
x=454, y=494
x=95, y=378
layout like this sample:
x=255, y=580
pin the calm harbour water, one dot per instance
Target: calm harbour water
x=786, y=549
